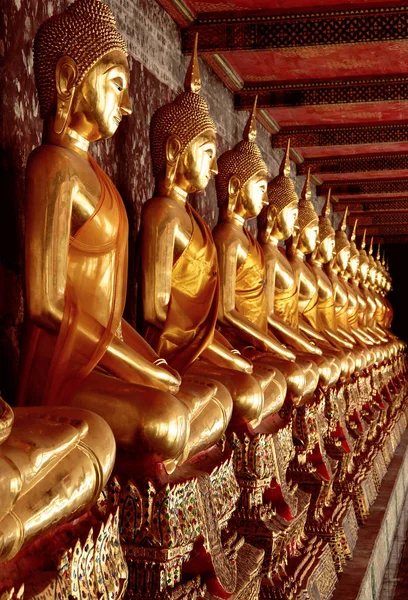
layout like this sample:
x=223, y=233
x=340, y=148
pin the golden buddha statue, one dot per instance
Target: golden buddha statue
x=277, y=222
x=367, y=274
x=243, y=312
x=53, y=466
x=179, y=269
x=299, y=246
x=79, y=351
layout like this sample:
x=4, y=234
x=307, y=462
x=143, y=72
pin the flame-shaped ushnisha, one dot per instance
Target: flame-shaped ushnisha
x=325, y=226
x=186, y=116
x=341, y=238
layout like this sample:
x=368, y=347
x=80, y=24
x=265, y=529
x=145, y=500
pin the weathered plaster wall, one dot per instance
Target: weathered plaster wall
x=157, y=73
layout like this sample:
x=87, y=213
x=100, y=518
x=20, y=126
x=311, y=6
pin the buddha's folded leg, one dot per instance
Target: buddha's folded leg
x=151, y=423
x=328, y=368
x=246, y=392
x=273, y=384
x=210, y=418
x=70, y=458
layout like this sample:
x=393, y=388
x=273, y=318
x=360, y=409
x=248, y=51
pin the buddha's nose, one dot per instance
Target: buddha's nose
x=125, y=106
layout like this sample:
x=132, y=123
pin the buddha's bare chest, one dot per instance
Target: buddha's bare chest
x=324, y=286
x=86, y=195
x=284, y=277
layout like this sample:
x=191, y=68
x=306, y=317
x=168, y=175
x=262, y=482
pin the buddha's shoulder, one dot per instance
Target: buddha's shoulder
x=225, y=233
x=162, y=208
x=52, y=158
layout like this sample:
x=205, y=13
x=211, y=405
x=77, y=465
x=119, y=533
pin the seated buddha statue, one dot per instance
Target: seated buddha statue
x=367, y=276
x=78, y=350
x=277, y=222
x=322, y=255
x=355, y=298
x=299, y=246
x=179, y=270
x=243, y=312
x=336, y=270
x=54, y=462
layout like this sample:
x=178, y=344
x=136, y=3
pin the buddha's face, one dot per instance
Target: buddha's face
x=198, y=163
x=343, y=258
x=353, y=265
x=364, y=271
x=253, y=196
x=326, y=249
x=102, y=98
x=286, y=221
x=308, y=238
x=372, y=274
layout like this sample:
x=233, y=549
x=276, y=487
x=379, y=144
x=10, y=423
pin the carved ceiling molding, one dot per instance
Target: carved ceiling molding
x=340, y=136
x=231, y=31
x=369, y=186
x=367, y=219
x=389, y=230
x=354, y=164
x=357, y=208
x=273, y=95
x=397, y=239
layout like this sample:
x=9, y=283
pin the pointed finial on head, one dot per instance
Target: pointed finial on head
x=370, y=250
x=326, y=207
x=378, y=257
x=353, y=233
x=250, y=127
x=343, y=223
x=383, y=259
x=307, y=192
x=363, y=241
x=192, y=82
x=285, y=164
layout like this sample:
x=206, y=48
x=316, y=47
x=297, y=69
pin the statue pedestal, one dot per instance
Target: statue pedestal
x=82, y=559
x=176, y=537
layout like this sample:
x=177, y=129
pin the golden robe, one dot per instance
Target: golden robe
x=286, y=301
x=54, y=366
x=193, y=307
x=250, y=297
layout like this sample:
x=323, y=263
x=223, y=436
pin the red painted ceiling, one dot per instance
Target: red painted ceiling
x=341, y=114
x=361, y=149
x=314, y=63
x=202, y=6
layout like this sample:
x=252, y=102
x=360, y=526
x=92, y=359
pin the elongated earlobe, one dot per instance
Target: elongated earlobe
x=65, y=78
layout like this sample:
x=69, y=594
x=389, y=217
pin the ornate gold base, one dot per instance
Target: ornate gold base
x=312, y=576
x=176, y=538
x=92, y=567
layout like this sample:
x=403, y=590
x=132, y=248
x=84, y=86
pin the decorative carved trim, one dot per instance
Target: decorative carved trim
x=368, y=186
x=388, y=230
x=229, y=32
x=340, y=136
x=272, y=95
x=354, y=164
x=387, y=203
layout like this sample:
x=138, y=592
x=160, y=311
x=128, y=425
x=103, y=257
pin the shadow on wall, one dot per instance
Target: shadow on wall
x=397, y=255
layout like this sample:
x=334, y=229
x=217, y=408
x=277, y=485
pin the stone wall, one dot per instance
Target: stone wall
x=157, y=73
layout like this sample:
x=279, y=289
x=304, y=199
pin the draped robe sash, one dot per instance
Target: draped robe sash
x=192, y=311
x=54, y=366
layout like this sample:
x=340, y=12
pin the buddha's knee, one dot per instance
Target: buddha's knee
x=312, y=374
x=295, y=379
x=275, y=393
x=142, y=419
x=248, y=399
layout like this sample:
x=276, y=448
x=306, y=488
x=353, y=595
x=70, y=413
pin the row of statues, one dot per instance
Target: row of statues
x=276, y=363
